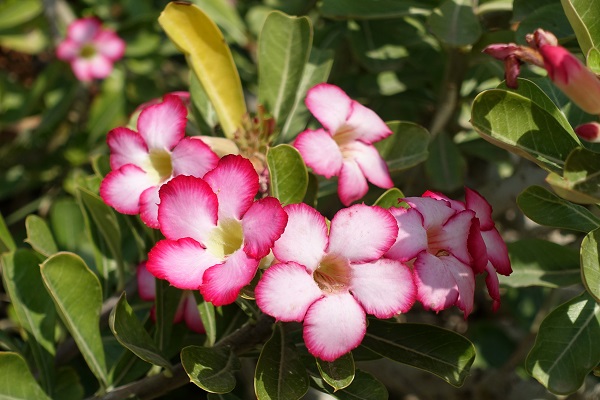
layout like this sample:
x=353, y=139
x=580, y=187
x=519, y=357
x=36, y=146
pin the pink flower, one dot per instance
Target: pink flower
x=331, y=279
x=143, y=161
x=187, y=309
x=90, y=49
x=216, y=233
x=589, y=131
x=344, y=148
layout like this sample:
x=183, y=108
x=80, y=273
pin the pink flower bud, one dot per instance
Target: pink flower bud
x=589, y=131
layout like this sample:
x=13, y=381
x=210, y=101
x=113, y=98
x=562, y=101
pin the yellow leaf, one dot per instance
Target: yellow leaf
x=199, y=38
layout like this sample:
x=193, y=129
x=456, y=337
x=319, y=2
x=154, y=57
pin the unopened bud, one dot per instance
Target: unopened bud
x=589, y=131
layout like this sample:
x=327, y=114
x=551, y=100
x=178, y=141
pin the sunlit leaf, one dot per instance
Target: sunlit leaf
x=584, y=16
x=390, y=198
x=212, y=369
x=288, y=174
x=7, y=243
x=39, y=235
x=590, y=263
x=208, y=317
x=16, y=381
x=339, y=373
x=15, y=13
x=406, y=147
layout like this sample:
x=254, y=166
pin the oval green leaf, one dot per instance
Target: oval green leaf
x=199, y=38
x=212, y=369
x=77, y=294
x=406, y=147
x=208, y=317
x=584, y=16
x=455, y=23
x=16, y=381
x=288, y=174
x=390, y=198
x=364, y=387
x=590, y=263
x=339, y=374
x=39, y=235
x=7, y=242
x=582, y=173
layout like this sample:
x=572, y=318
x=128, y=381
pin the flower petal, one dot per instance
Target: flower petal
x=435, y=212
x=82, y=68
x=454, y=236
x=305, y=225
x=83, y=30
x=362, y=233
x=235, y=182
x=412, y=236
x=100, y=66
x=436, y=287
x=191, y=315
x=333, y=326
x=329, y=104
x=188, y=208
x=286, y=290
x=320, y=152
x=149, y=200
x=193, y=157
x=109, y=44
x=121, y=189
x=68, y=50
x=483, y=209
x=477, y=249
x=146, y=283
x=222, y=283
x=126, y=147
x=454, y=204
x=263, y=224
x=368, y=127
x=370, y=162
x=497, y=251
x=371, y=281
x=163, y=125
x=493, y=286
x=182, y=262
x=352, y=184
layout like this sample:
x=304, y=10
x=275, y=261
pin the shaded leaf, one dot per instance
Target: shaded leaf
x=212, y=369
x=582, y=175
x=68, y=385
x=288, y=174
x=7, y=243
x=39, y=235
x=165, y=307
x=445, y=166
x=226, y=16
x=16, y=381
x=339, y=374
x=364, y=387
x=590, y=263
x=371, y=9
x=455, y=23
x=208, y=317
x=406, y=147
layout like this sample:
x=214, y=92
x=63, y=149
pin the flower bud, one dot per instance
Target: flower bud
x=589, y=131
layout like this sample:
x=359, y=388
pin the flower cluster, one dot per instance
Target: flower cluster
x=327, y=275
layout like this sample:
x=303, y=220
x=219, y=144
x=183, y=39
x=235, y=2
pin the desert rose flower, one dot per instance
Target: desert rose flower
x=90, y=49
x=187, y=310
x=345, y=147
x=142, y=161
x=216, y=233
x=330, y=280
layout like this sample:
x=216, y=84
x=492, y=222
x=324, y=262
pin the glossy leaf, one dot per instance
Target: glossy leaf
x=77, y=294
x=34, y=308
x=590, y=263
x=130, y=333
x=455, y=23
x=283, y=49
x=364, y=387
x=445, y=166
x=16, y=381
x=390, y=198
x=208, y=317
x=339, y=374
x=566, y=348
x=212, y=369
x=439, y=351
x=582, y=176
x=39, y=235
x=371, y=9
x=537, y=262
x=280, y=374
x=406, y=147
x=7, y=243
x=584, y=16
x=546, y=208
x=199, y=38
x=288, y=174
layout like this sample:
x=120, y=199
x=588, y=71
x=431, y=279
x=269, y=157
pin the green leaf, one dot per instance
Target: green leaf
x=567, y=347
x=226, y=16
x=288, y=174
x=16, y=381
x=537, y=262
x=455, y=23
x=201, y=101
x=77, y=294
x=108, y=107
x=439, y=351
x=519, y=124
x=34, y=308
x=208, y=317
x=68, y=385
x=581, y=177
x=67, y=223
x=165, y=306
x=7, y=243
x=593, y=60
x=280, y=373
x=199, y=38
x=406, y=147
x=339, y=374
x=549, y=17
x=590, y=263
x=390, y=198
x=445, y=166
x=584, y=16
x=222, y=396
x=364, y=387
x=546, y=208
x=212, y=369
x=371, y=9
x=283, y=49
x=130, y=333
x=15, y=13
x=39, y=235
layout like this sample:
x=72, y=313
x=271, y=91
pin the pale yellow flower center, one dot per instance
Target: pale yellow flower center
x=225, y=238
x=87, y=51
x=160, y=160
x=333, y=274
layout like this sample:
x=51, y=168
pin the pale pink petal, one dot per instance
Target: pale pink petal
x=146, y=283
x=483, y=209
x=454, y=204
x=477, y=248
x=370, y=162
x=435, y=212
x=352, y=184
x=149, y=200
x=320, y=152
x=182, y=262
x=263, y=224
x=497, y=251
x=109, y=44
x=121, y=189
x=126, y=147
x=366, y=125
x=222, y=283
x=454, y=236
x=193, y=157
x=333, y=326
x=68, y=50
x=384, y=287
x=188, y=208
x=100, y=66
x=83, y=30
x=191, y=315
x=286, y=290
x=235, y=182
x=163, y=125
x=330, y=105
x=82, y=68
x=362, y=233
x=306, y=226
x=412, y=236
x=436, y=287
x=493, y=286
x=465, y=282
